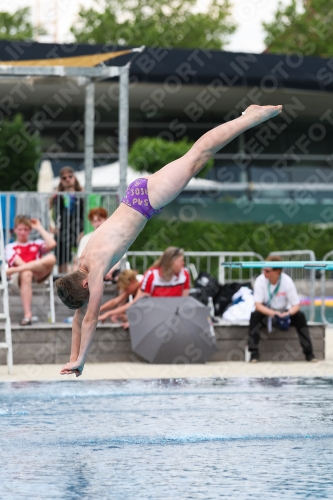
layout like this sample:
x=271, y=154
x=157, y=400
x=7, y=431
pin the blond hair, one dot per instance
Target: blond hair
x=125, y=278
x=165, y=261
x=22, y=219
x=71, y=291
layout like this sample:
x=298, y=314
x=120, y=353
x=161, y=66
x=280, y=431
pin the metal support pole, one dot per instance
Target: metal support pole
x=123, y=129
x=312, y=294
x=89, y=122
x=221, y=270
x=244, y=174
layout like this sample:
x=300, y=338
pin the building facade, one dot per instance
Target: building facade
x=287, y=162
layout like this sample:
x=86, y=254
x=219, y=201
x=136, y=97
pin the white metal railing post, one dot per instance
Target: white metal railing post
x=89, y=123
x=5, y=301
x=323, y=296
x=327, y=256
x=221, y=270
x=7, y=205
x=52, y=304
x=312, y=294
x=123, y=128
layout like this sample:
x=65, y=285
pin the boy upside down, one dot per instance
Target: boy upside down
x=83, y=289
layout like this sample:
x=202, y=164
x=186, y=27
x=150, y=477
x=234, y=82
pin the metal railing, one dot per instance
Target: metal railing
x=210, y=262
x=304, y=279
x=63, y=214
x=324, y=276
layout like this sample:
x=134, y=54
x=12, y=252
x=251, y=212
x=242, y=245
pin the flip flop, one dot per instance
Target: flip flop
x=26, y=322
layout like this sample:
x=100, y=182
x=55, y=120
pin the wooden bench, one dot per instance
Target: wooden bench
x=47, y=343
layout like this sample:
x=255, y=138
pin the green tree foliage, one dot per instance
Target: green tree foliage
x=17, y=26
x=303, y=27
x=151, y=154
x=156, y=23
x=19, y=155
x=198, y=235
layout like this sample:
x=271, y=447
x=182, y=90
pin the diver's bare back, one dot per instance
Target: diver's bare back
x=112, y=239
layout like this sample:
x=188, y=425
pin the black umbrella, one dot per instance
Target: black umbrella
x=171, y=330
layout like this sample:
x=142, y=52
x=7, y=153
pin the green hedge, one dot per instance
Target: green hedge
x=150, y=154
x=210, y=236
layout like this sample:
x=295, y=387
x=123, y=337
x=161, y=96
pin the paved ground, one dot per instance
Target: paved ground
x=114, y=371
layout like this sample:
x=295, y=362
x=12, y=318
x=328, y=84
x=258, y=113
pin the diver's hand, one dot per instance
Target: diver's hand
x=75, y=367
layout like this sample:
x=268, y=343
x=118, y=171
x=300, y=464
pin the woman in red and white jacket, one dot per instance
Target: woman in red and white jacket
x=167, y=277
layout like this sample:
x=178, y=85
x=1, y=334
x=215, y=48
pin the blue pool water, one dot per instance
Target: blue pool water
x=170, y=439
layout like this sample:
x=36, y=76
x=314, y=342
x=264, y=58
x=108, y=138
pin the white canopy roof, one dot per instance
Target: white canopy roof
x=45, y=177
x=107, y=177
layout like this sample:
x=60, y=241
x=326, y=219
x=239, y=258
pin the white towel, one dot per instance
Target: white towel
x=242, y=307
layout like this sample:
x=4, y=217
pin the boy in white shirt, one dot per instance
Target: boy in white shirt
x=275, y=294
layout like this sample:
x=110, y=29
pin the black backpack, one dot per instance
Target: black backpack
x=224, y=298
x=205, y=286
x=207, y=283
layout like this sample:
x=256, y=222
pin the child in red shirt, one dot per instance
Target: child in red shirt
x=29, y=260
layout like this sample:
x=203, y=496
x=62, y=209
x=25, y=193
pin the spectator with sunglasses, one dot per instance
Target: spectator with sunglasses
x=68, y=213
x=167, y=277
x=276, y=300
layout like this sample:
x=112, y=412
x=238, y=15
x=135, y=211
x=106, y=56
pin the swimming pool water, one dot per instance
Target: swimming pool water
x=167, y=439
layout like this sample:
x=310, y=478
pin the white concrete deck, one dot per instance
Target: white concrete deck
x=116, y=371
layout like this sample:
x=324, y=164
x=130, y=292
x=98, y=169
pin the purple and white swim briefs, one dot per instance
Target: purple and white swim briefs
x=136, y=197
